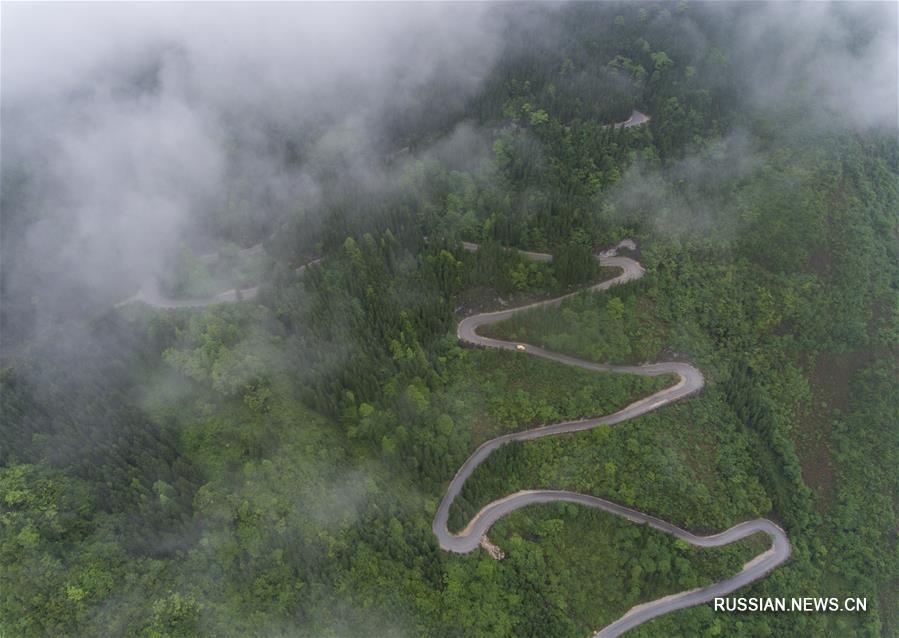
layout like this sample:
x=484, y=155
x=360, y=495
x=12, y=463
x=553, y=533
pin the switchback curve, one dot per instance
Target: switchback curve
x=690, y=381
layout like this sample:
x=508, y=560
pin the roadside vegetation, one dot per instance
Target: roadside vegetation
x=271, y=468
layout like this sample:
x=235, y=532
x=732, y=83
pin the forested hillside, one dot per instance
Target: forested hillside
x=271, y=467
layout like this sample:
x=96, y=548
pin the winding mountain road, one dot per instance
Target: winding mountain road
x=150, y=294
x=690, y=381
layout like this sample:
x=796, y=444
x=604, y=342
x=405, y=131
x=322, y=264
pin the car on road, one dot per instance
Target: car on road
x=521, y=347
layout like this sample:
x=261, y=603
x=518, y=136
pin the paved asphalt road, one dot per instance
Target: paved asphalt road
x=150, y=294
x=690, y=380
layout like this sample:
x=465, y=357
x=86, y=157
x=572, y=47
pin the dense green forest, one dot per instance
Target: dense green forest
x=272, y=467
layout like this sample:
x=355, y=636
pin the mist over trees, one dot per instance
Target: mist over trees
x=270, y=467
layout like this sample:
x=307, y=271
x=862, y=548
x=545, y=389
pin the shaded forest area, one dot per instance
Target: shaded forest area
x=272, y=467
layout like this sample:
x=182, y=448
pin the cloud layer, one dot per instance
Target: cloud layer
x=841, y=56
x=124, y=124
